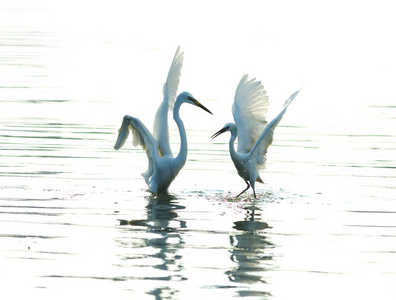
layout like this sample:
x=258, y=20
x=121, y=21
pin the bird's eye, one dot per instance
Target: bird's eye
x=190, y=98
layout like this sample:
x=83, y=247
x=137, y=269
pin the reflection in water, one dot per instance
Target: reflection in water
x=161, y=214
x=162, y=220
x=163, y=293
x=250, y=252
x=250, y=224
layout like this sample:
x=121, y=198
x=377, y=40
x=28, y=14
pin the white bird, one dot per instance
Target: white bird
x=254, y=133
x=163, y=167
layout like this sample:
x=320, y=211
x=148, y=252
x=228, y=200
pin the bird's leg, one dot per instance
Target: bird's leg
x=248, y=186
x=252, y=184
x=255, y=198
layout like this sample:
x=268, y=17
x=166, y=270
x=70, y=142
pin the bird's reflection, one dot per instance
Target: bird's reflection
x=162, y=220
x=250, y=251
x=161, y=214
x=251, y=222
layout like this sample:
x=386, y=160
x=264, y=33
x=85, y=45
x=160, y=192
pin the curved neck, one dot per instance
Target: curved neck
x=182, y=156
x=234, y=133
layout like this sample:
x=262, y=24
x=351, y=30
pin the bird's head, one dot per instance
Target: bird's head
x=186, y=97
x=227, y=127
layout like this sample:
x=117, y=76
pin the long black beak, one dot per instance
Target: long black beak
x=222, y=130
x=197, y=103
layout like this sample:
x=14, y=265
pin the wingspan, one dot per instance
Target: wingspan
x=161, y=128
x=259, y=150
x=249, y=110
x=141, y=136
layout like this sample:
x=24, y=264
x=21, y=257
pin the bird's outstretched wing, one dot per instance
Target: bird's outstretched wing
x=141, y=136
x=259, y=149
x=249, y=110
x=161, y=128
x=173, y=79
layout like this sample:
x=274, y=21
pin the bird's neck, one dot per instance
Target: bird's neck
x=182, y=156
x=233, y=153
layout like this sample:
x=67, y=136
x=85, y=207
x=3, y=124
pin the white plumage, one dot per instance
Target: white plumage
x=161, y=128
x=163, y=167
x=249, y=110
x=254, y=133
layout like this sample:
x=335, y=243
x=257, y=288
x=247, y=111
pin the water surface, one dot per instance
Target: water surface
x=77, y=221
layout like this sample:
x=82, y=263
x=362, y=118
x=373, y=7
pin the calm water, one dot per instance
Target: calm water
x=76, y=220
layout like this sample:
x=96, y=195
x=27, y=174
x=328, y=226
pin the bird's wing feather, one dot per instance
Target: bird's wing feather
x=173, y=79
x=161, y=128
x=249, y=110
x=141, y=136
x=259, y=150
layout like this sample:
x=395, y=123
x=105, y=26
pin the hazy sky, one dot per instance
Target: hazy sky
x=339, y=50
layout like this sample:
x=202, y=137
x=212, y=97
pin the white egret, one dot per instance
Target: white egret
x=254, y=133
x=163, y=167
